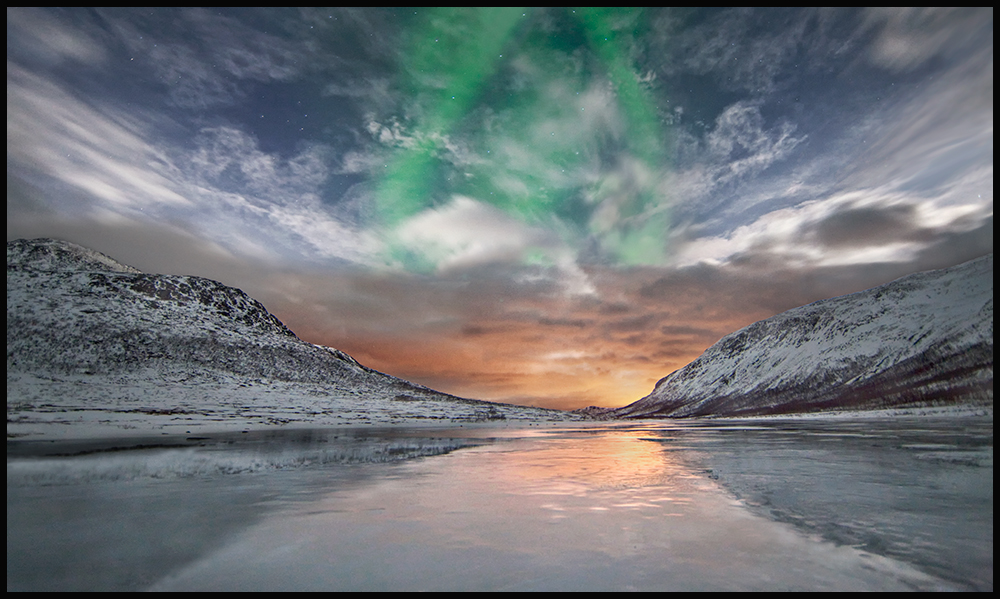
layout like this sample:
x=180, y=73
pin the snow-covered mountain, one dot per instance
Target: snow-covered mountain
x=923, y=340
x=93, y=341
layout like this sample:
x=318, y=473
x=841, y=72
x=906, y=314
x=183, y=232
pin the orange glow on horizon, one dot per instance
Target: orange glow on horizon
x=497, y=341
x=516, y=364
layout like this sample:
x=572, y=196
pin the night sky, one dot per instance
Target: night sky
x=552, y=207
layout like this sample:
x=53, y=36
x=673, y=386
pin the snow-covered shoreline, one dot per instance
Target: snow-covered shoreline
x=82, y=409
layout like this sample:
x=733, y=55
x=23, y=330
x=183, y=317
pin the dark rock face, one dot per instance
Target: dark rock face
x=924, y=340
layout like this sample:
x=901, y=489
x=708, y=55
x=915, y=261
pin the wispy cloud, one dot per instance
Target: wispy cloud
x=907, y=38
x=44, y=38
x=741, y=49
x=203, y=58
x=738, y=147
x=106, y=155
x=859, y=227
x=258, y=203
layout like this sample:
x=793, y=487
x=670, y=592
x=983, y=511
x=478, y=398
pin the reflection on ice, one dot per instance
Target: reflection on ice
x=212, y=456
x=646, y=506
x=918, y=489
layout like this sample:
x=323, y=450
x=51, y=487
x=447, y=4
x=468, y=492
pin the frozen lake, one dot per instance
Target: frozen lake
x=803, y=504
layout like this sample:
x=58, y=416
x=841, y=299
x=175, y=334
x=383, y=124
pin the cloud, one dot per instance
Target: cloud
x=866, y=226
x=226, y=188
x=935, y=137
x=44, y=38
x=250, y=194
x=204, y=58
x=741, y=49
x=230, y=158
x=474, y=333
x=766, y=51
x=739, y=148
x=741, y=145
x=917, y=158
x=859, y=227
x=466, y=233
x=908, y=37
x=104, y=154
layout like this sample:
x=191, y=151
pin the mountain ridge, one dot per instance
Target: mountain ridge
x=93, y=339
x=925, y=339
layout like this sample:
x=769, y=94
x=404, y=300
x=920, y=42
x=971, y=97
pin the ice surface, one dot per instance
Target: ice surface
x=700, y=505
x=919, y=489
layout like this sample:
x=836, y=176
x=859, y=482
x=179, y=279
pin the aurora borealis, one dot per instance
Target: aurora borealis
x=544, y=206
x=505, y=130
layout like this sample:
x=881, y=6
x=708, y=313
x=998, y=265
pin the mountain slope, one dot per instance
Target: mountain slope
x=90, y=340
x=925, y=339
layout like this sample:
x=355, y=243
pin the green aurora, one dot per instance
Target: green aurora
x=516, y=92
